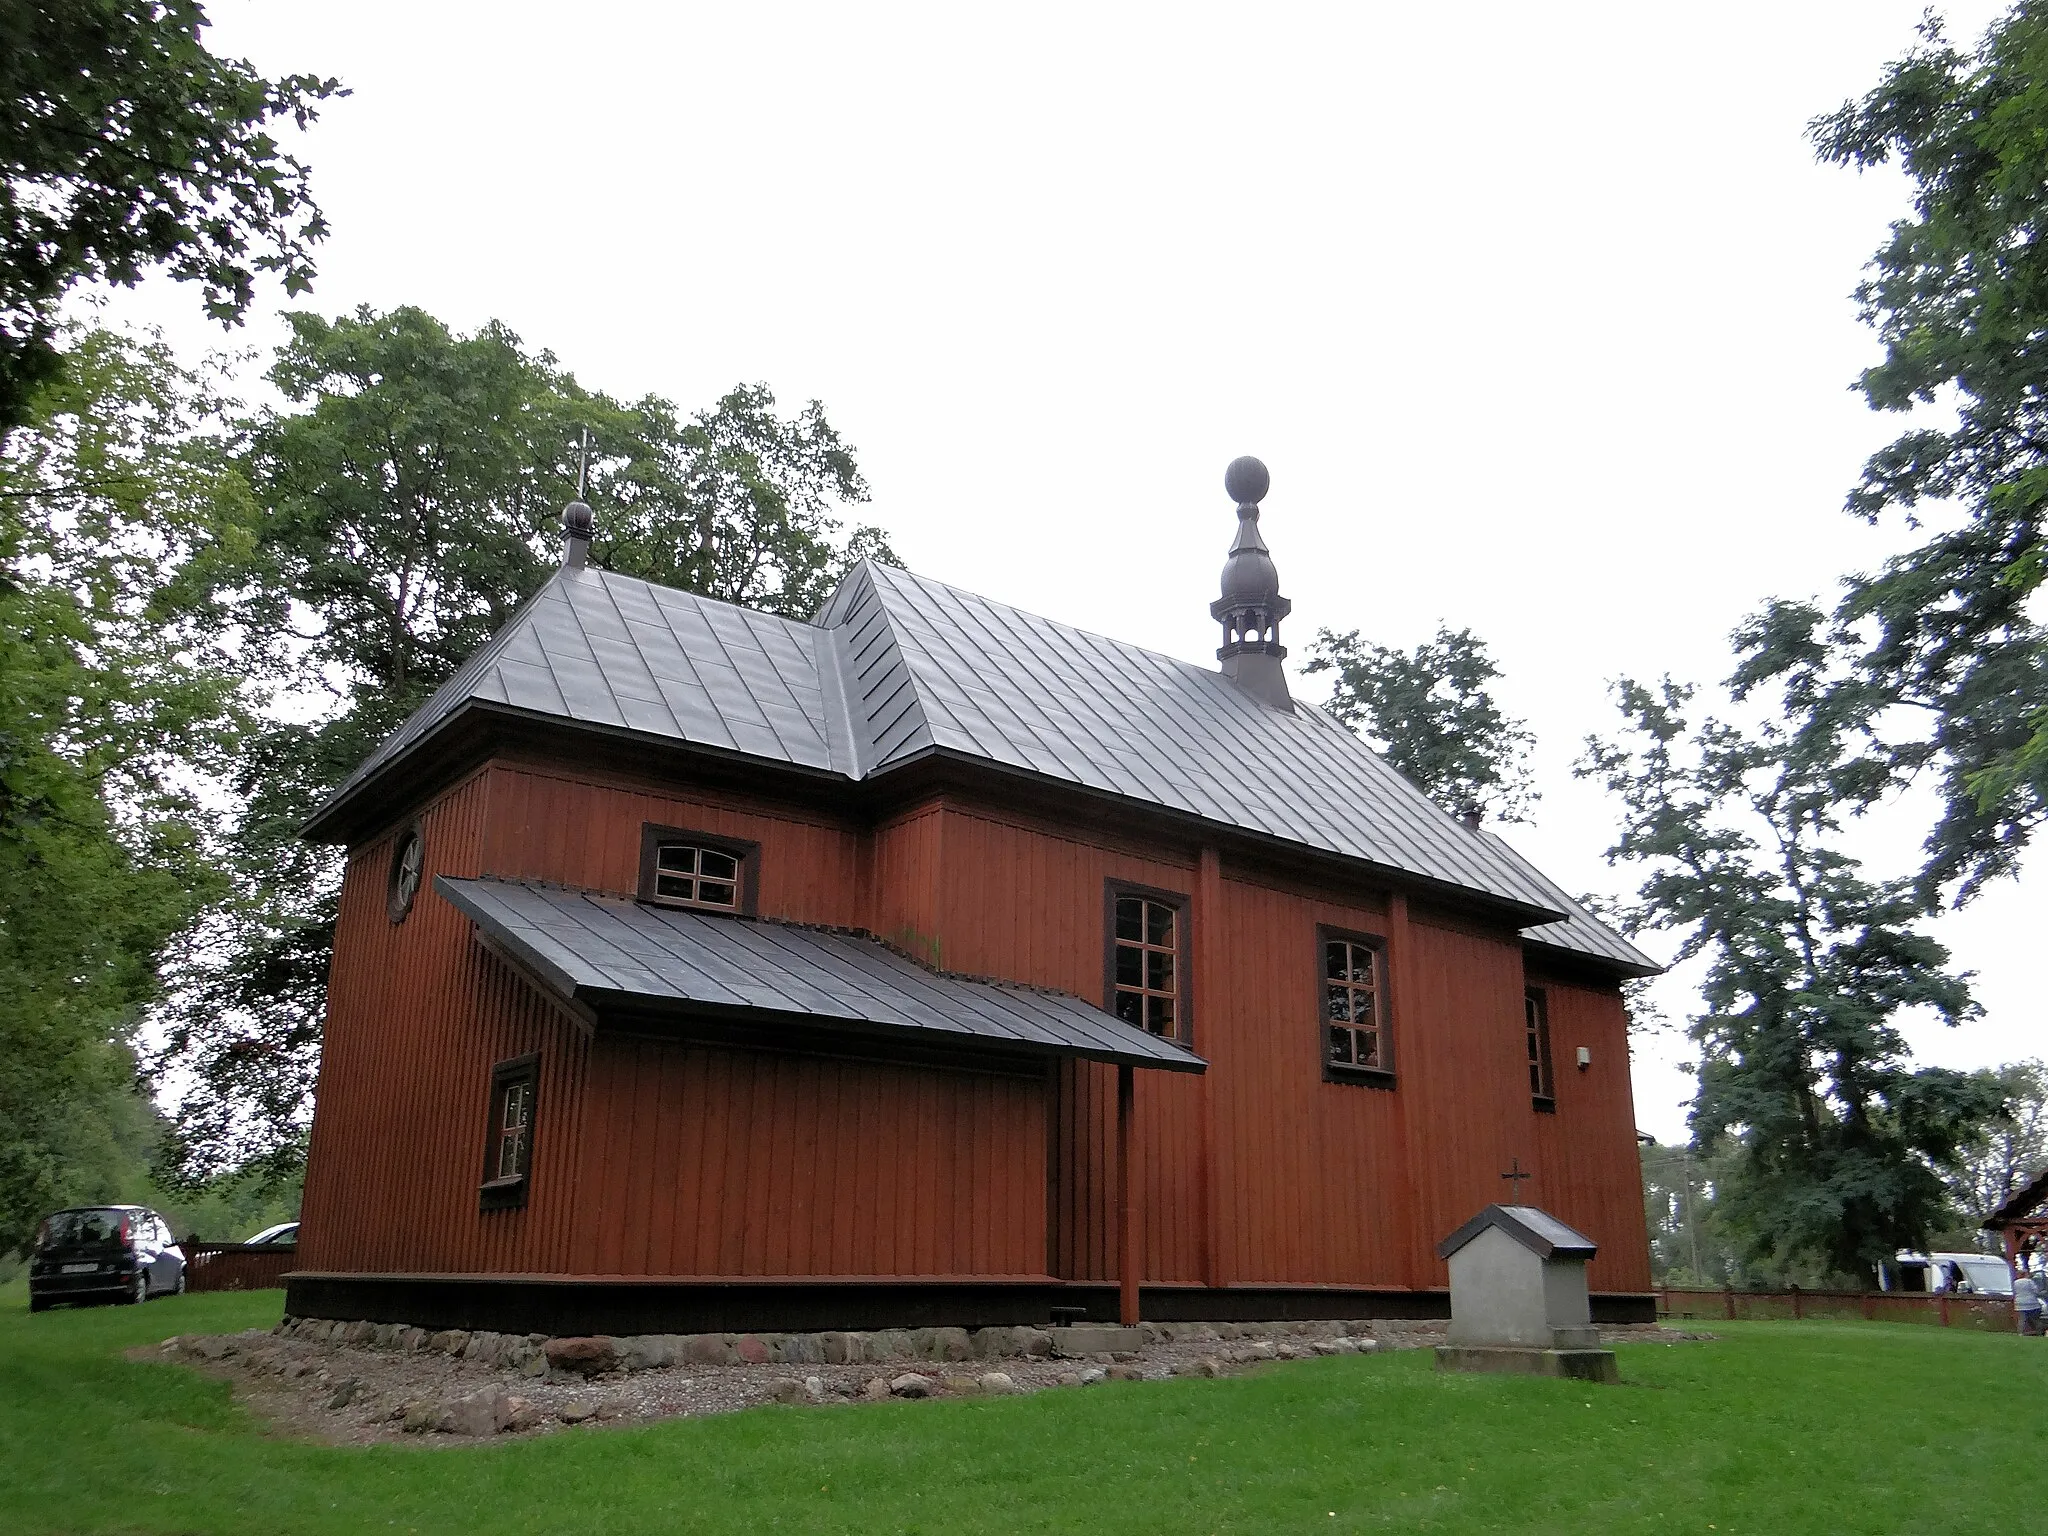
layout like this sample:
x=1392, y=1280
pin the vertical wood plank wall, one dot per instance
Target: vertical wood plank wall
x=653, y=1158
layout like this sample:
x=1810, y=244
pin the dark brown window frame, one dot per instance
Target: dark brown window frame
x=1543, y=1082
x=1347, y=1072
x=1183, y=952
x=748, y=853
x=509, y=1193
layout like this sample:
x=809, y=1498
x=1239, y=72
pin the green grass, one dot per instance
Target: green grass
x=1777, y=1428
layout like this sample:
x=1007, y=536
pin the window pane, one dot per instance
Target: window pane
x=1159, y=1015
x=674, y=885
x=717, y=866
x=715, y=894
x=1368, y=1047
x=1340, y=1047
x=1363, y=1007
x=1338, y=1003
x=1130, y=966
x=1130, y=917
x=1130, y=1007
x=1336, y=960
x=678, y=857
x=1159, y=970
x=1158, y=924
x=1361, y=964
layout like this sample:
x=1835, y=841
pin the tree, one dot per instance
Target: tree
x=411, y=494
x=117, y=699
x=1948, y=655
x=2007, y=1153
x=1836, y=1139
x=125, y=146
x=1430, y=714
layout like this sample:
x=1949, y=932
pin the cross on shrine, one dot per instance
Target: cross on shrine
x=1516, y=1175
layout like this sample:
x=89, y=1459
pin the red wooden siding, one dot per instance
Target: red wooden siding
x=653, y=1158
x=1581, y=1174
x=743, y=1163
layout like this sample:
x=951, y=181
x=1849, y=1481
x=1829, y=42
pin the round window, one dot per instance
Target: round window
x=407, y=860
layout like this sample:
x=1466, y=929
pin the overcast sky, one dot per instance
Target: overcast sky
x=1539, y=315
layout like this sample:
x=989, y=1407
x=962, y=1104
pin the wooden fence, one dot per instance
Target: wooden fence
x=1988, y=1313
x=237, y=1266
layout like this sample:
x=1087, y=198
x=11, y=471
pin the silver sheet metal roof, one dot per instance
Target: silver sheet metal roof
x=897, y=667
x=606, y=953
x=1534, y=1228
x=1581, y=933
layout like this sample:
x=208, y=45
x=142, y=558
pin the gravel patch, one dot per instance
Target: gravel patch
x=362, y=1385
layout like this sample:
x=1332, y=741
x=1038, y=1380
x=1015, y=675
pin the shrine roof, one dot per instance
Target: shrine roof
x=613, y=957
x=897, y=668
x=1537, y=1230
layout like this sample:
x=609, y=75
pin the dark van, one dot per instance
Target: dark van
x=103, y=1253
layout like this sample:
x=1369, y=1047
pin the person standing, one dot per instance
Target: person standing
x=2026, y=1303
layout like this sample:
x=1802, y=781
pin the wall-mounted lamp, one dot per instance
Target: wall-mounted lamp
x=1585, y=1058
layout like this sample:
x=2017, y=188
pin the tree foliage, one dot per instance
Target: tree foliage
x=1948, y=655
x=125, y=145
x=409, y=498
x=2007, y=1153
x=1431, y=714
x=116, y=696
x=1810, y=965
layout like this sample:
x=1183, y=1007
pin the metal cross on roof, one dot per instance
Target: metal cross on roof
x=1515, y=1175
x=582, y=463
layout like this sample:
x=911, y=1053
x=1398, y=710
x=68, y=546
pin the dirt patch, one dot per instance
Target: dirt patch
x=354, y=1393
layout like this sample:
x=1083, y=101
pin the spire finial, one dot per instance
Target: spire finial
x=1251, y=607
x=578, y=522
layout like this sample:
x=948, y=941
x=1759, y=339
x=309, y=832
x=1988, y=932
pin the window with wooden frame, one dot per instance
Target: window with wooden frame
x=1536, y=1017
x=508, y=1145
x=681, y=868
x=1358, y=1046
x=1147, y=960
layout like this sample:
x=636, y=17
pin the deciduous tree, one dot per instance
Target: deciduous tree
x=1431, y=714
x=1810, y=965
x=126, y=146
x=1945, y=640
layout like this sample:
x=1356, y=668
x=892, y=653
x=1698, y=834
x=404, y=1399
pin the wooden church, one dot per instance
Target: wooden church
x=929, y=962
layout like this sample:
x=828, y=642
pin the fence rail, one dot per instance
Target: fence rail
x=1988, y=1313
x=237, y=1266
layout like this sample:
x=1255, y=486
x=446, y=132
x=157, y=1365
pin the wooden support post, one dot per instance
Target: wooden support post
x=1798, y=1305
x=1729, y=1296
x=1126, y=1201
x=1944, y=1309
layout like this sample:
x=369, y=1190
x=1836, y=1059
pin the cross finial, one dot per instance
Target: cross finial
x=582, y=463
x=1515, y=1175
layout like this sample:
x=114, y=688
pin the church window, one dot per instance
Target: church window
x=1356, y=1041
x=1536, y=1015
x=1148, y=944
x=508, y=1147
x=695, y=869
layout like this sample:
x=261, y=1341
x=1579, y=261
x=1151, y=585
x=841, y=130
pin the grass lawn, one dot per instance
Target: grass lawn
x=1777, y=1428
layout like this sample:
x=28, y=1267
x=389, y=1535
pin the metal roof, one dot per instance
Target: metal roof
x=897, y=667
x=1537, y=1230
x=1581, y=933
x=608, y=954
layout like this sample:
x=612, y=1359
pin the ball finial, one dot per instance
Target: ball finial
x=577, y=520
x=1246, y=481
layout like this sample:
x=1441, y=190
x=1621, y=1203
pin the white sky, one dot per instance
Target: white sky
x=1538, y=314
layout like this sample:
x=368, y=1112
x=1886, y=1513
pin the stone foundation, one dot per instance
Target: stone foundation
x=535, y=1354
x=1596, y=1365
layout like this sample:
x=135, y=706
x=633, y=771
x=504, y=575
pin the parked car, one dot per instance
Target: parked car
x=1958, y=1274
x=285, y=1232
x=104, y=1253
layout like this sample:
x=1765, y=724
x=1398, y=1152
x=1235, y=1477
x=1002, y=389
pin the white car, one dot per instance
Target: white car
x=284, y=1232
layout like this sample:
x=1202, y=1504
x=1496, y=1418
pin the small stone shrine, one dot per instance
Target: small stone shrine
x=1518, y=1298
